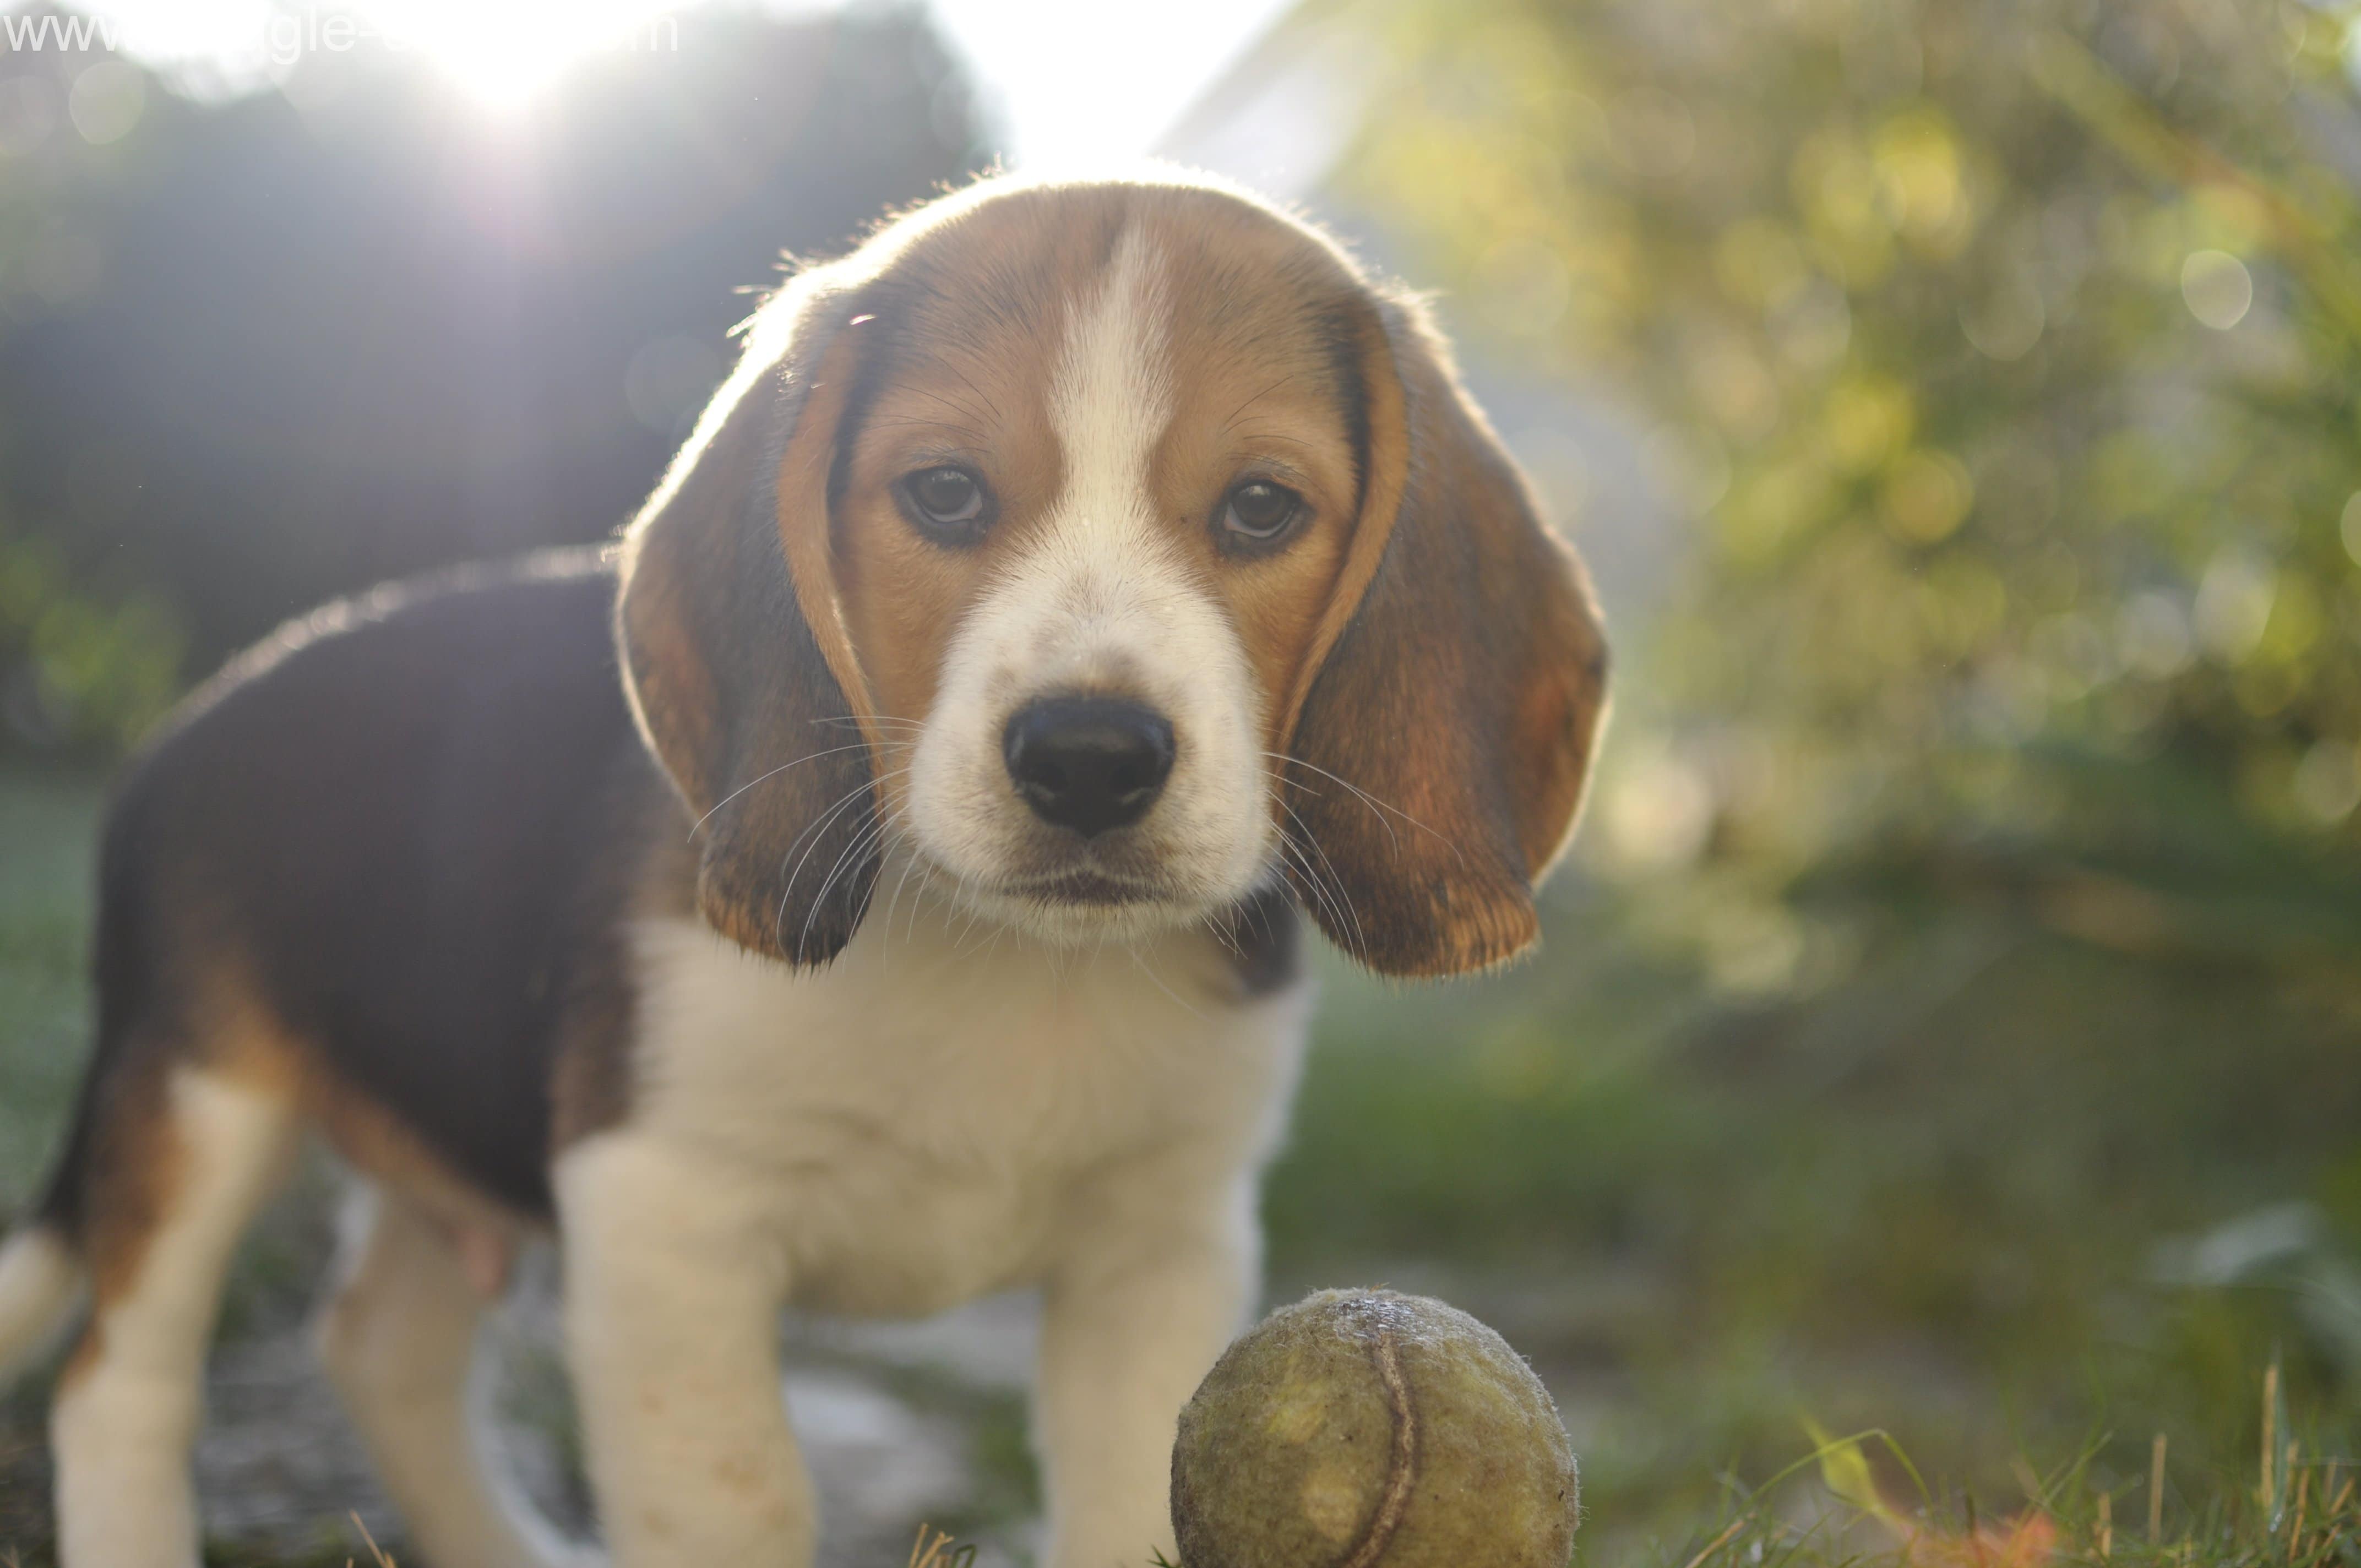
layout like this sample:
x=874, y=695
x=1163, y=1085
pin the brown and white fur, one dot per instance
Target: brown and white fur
x=692, y=900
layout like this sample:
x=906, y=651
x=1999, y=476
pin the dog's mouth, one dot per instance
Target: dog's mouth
x=1082, y=893
x=1086, y=888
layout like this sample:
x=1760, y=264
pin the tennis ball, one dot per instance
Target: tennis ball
x=1361, y=1429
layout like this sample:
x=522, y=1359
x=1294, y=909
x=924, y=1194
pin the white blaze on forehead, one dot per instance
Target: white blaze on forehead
x=1112, y=397
x=1101, y=598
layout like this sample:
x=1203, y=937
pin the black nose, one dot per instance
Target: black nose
x=1086, y=763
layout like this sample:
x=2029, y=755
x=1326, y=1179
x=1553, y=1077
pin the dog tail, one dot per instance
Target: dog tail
x=41, y=1284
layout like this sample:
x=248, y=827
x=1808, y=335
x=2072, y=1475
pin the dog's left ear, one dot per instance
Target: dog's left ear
x=734, y=649
x=1447, y=715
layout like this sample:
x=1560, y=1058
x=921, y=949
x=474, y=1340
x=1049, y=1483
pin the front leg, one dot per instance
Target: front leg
x=1150, y=1292
x=674, y=1282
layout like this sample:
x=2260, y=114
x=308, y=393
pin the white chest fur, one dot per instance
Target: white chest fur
x=915, y=1123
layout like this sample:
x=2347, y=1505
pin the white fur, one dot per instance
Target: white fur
x=123, y=1421
x=944, y=1112
x=399, y=1338
x=1102, y=601
x=42, y=1283
x=673, y=1284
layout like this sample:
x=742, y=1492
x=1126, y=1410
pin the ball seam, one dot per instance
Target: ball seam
x=1402, y=1463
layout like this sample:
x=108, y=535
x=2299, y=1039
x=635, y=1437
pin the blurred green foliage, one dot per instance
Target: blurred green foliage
x=47, y=829
x=2004, y=352
x=92, y=673
x=90, y=657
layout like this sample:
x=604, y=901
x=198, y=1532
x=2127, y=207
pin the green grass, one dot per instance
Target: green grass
x=1861, y=1501
x=1995, y=1188
x=47, y=829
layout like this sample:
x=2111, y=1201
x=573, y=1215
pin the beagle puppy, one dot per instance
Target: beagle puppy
x=870, y=885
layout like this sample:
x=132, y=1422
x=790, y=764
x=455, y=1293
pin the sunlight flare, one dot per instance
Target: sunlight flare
x=504, y=52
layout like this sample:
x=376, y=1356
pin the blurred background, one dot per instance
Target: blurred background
x=1949, y=1022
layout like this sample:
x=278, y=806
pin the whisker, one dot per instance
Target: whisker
x=815, y=832
x=955, y=408
x=1335, y=879
x=959, y=938
x=1379, y=806
x=1259, y=397
x=969, y=384
x=1291, y=856
x=859, y=844
x=884, y=946
x=1257, y=433
x=775, y=773
x=931, y=424
x=1323, y=900
x=1218, y=928
x=925, y=881
x=1141, y=963
x=853, y=853
x=850, y=722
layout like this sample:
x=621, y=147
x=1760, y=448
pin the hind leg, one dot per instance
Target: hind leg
x=188, y=1167
x=399, y=1338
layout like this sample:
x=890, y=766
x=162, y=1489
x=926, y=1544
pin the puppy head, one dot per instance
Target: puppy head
x=1119, y=549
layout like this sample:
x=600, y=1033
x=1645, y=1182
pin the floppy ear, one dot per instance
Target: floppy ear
x=1457, y=684
x=734, y=649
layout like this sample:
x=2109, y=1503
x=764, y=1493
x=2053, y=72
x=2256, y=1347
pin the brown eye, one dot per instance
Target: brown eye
x=946, y=500
x=1258, y=513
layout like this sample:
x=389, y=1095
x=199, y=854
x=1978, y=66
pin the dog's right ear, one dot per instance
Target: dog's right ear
x=1440, y=748
x=734, y=650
